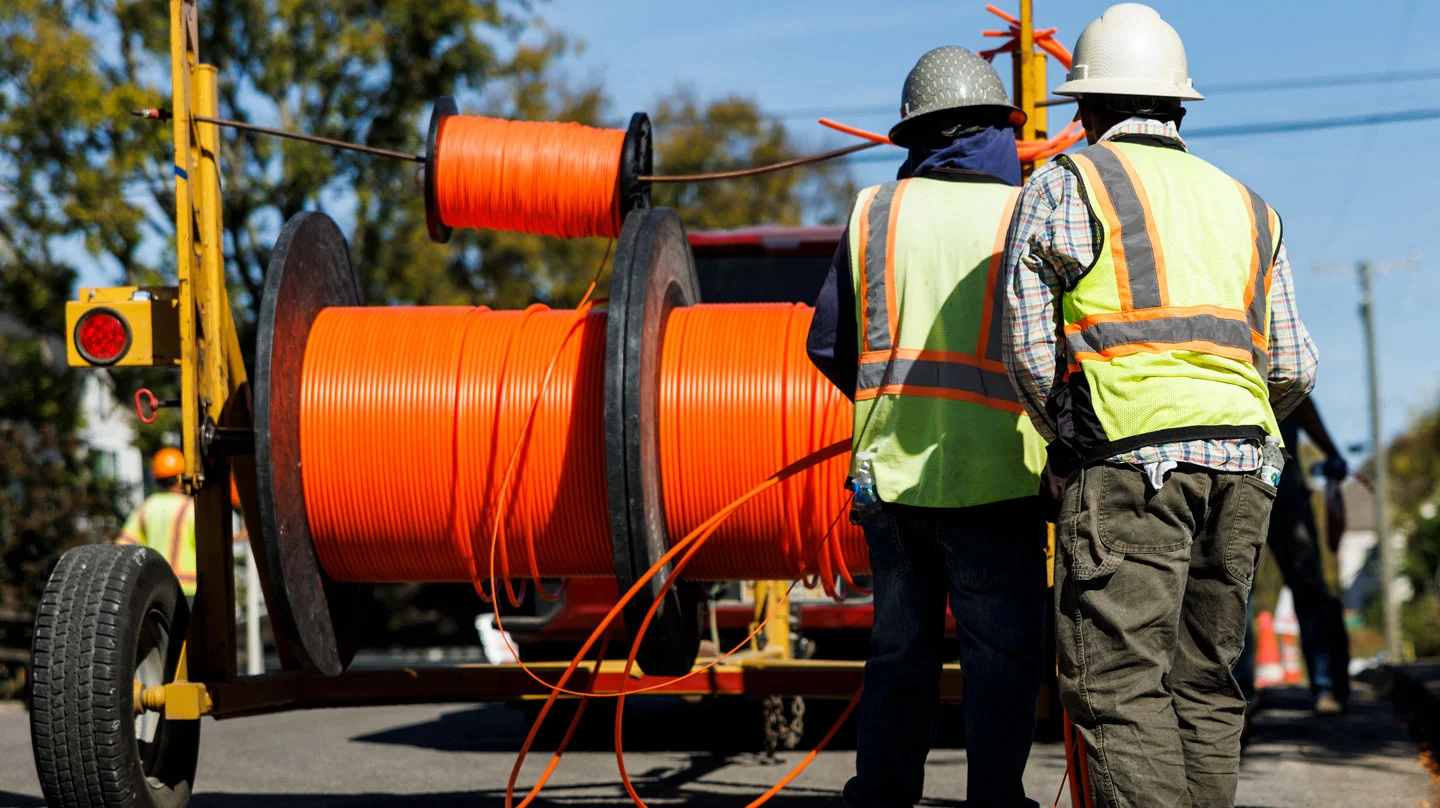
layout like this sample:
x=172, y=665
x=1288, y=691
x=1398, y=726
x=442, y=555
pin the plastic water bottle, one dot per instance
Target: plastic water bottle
x=866, y=502
x=1272, y=462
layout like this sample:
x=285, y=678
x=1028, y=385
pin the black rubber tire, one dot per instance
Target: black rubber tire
x=83, y=664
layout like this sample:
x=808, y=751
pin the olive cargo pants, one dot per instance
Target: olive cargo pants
x=1150, y=591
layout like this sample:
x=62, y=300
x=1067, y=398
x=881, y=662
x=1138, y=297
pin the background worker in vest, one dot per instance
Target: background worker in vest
x=1152, y=333
x=1294, y=541
x=945, y=464
x=165, y=521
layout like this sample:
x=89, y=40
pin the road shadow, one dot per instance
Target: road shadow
x=1366, y=729
x=660, y=791
x=9, y=799
x=652, y=724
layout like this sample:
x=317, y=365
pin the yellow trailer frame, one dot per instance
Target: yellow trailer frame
x=190, y=326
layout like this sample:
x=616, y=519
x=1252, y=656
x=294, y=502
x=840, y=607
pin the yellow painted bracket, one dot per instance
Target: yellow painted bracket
x=180, y=701
x=150, y=313
x=770, y=602
x=211, y=369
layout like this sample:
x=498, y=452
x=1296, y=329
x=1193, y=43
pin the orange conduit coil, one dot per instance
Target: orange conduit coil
x=554, y=179
x=408, y=417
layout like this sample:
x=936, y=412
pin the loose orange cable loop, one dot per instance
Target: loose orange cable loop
x=690, y=544
x=549, y=178
x=635, y=649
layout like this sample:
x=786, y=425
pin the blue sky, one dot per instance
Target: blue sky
x=1344, y=194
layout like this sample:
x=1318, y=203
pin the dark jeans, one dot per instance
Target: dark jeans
x=1150, y=592
x=1295, y=543
x=990, y=561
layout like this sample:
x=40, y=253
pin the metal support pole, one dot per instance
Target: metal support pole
x=1382, y=474
x=254, y=651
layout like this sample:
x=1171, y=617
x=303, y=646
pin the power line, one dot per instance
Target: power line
x=1362, y=154
x=1402, y=116
x=1316, y=82
x=1239, y=87
x=1269, y=128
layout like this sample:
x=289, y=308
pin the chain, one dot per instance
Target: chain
x=781, y=733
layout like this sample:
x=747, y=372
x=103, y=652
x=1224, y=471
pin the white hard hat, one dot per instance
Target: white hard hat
x=1130, y=51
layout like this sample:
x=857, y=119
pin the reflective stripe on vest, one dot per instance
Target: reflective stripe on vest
x=1142, y=314
x=933, y=404
x=181, y=561
x=1197, y=328
x=936, y=374
x=876, y=266
x=1258, y=295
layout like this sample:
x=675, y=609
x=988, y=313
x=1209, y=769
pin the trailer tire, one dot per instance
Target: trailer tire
x=109, y=616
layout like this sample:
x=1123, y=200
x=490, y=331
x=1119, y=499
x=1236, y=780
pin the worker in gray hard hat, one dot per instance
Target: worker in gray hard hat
x=1152, y=334
x=945, y=465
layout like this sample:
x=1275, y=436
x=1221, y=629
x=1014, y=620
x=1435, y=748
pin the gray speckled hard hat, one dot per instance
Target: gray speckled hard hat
x=947, y=79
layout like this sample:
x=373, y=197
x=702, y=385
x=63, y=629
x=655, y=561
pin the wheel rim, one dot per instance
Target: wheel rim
x=151, y=650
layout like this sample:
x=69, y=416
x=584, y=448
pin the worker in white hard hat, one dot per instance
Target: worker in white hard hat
x=1152, y=335
x=945, y=464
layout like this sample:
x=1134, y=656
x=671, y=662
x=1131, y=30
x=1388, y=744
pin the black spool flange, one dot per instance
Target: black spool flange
x=439, y=231
x=654, y=274
x=310, y=270
x=637, y=159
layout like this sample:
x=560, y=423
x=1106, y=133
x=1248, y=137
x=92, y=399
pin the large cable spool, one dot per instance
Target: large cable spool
x=648, y=419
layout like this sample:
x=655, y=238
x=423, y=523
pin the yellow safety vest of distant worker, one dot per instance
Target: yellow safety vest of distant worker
x=936, y=417
x=165, y=522
x=1180, y=297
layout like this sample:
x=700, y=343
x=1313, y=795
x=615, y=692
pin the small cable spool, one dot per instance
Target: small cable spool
x=546, y=178
x=406, y=417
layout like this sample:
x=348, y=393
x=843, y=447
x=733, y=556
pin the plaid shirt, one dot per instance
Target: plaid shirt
x=1052, y=240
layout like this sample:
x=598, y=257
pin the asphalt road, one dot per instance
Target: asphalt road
x=462, y=755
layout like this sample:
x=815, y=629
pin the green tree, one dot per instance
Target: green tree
x=731, y=133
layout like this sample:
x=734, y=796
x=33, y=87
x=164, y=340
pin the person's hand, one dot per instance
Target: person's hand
x=1334, y=514
x=1336, y=468
x=1052, y=493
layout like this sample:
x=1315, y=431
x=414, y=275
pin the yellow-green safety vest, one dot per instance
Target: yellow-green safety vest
x=1168, y=332
x=165, y=523
x=933, y=404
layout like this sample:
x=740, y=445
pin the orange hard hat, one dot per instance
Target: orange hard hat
x=168, y=462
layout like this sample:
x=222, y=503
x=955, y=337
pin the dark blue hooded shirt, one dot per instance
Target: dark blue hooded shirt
x=988, y=156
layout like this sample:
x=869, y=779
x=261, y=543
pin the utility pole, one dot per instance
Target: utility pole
x=1389, y=561
x=1388, y=566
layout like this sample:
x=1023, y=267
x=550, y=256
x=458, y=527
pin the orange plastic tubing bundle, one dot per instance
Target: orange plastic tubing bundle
x=723, y=370
x=554, y=179
x=409, y=417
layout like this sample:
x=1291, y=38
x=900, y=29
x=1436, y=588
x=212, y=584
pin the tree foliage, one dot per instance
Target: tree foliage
x=727, y=134
x=84, y=185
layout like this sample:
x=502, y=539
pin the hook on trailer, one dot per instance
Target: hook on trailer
x=155, y=405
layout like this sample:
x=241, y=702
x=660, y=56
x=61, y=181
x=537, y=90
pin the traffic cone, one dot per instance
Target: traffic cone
x=1290, y=659
x=1269, y=669
x=1287, y=627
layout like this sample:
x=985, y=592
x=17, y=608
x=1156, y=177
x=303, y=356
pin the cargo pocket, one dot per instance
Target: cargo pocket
x=1249, y=526
x=1081, y=518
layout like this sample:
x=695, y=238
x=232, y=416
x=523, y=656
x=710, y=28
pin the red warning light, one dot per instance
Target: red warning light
x=102, y=336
